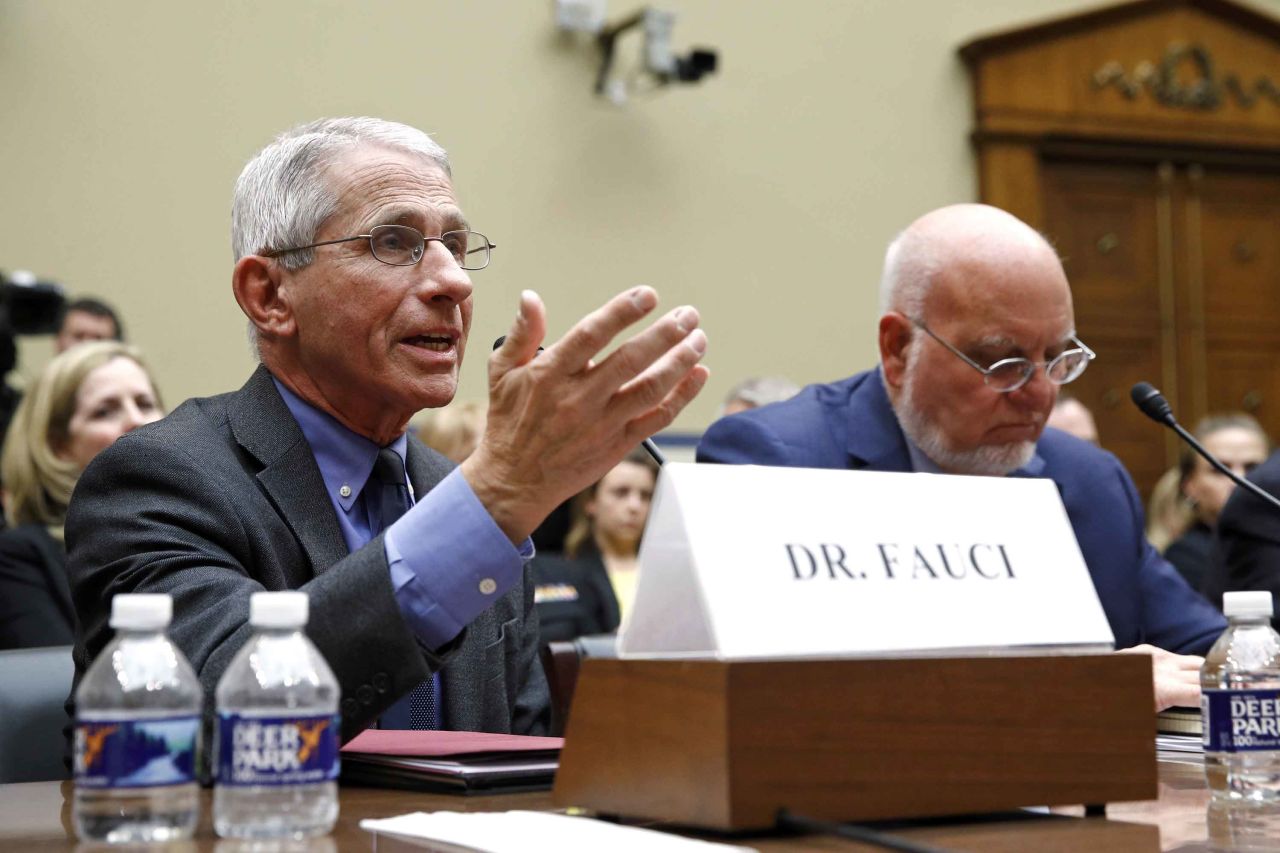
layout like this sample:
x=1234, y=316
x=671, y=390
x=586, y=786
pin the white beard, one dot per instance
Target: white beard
x=992, y=460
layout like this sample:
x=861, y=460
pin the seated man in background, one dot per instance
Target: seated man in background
x=756, y=391
x=87, y=319
x=352, y=259
x=1074, y=418
x=976, y=335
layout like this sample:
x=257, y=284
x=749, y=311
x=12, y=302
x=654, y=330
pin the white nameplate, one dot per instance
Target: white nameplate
x=743, y=561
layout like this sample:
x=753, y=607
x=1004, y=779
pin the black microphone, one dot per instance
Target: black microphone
x=647, y=444
x=1153, y=404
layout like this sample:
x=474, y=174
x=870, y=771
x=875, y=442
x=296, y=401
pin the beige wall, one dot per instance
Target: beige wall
x=764, y=195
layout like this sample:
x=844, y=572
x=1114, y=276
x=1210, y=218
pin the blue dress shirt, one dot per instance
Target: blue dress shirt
x=449, y=560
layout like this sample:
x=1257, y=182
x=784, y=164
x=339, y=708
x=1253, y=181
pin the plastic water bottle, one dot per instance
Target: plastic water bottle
x=278, y=729
x=137, y=732
x=1240, y=705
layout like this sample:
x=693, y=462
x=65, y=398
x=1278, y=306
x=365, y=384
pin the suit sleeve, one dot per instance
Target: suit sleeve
x=1175, y=617
x=531, y=712
x=739, y=440
x=1248, y=547
x=147, y=517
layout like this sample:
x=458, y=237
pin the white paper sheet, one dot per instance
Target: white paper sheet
x=536, y=832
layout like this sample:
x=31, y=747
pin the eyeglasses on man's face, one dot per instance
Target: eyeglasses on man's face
x=402, y=246
x=1010, y=374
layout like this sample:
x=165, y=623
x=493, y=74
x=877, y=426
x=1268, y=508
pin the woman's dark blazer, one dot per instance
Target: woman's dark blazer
x=35, y=598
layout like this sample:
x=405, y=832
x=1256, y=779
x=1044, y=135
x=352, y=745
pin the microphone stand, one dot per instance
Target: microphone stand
x=1153, y=404
x=1247, y=485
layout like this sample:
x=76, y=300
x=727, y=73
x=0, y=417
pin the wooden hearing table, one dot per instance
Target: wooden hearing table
x=36, y=816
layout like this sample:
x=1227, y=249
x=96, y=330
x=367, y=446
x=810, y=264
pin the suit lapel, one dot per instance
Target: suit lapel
x=874, y=438
x=264, y=426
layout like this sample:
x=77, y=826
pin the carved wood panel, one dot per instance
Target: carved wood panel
x=1144, y=139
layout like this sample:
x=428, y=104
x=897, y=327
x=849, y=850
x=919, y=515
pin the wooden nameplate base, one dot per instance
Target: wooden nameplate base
x=725, y=745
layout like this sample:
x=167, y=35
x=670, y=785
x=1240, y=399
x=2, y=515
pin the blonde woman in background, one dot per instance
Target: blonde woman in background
x=454, y=430
x=1241, y=444
x=1168, y=515
x=82, y=401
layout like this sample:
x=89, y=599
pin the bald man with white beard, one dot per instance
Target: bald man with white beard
x=976, y=335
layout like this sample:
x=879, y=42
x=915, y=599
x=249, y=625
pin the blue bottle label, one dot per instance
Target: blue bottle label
x=1240, y=720
x=284, y=750
x=116, y=753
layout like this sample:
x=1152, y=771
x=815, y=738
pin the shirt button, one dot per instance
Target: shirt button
x=345, y=491
x=488, y=586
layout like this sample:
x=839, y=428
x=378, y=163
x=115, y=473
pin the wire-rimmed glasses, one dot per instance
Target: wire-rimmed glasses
x=402, y=246
x=1010, y=374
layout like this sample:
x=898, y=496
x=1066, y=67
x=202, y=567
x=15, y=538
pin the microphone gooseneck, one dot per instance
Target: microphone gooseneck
x=647, y=444
x=1153, y=404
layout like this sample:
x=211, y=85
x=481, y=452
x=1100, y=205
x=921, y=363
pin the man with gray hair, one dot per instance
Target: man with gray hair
x=976, y=335
x=353, y=266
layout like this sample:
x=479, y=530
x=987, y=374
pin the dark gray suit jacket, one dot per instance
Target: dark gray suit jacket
x=224, y=498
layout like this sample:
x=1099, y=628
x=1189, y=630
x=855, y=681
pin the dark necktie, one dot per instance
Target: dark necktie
x=388, y=492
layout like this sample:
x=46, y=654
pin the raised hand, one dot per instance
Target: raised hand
x=558, y=422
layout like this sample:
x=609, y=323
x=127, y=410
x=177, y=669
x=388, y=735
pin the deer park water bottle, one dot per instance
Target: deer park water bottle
x=277, y=730
x=137, y=732
x=1240, y=703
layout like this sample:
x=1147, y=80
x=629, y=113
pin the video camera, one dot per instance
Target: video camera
x=27, y=307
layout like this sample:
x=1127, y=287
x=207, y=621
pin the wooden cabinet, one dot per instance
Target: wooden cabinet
x=1144, y=141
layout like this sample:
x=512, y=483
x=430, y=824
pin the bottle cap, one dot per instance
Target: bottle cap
x=141, y=611
x=278, y=609
x=1247, y=604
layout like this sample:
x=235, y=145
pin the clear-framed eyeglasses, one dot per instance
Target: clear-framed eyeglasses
x=1010, y=374
x=402, y=246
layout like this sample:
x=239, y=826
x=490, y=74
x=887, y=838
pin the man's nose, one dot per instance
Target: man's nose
x=445, y=278
x=1039, y=390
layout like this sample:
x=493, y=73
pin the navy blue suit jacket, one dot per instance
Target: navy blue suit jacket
x=850, y=424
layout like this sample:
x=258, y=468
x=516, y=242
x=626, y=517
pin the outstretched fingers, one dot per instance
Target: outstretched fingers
x=660, y=417
x=637, y=355
x=573, y=352
x=652, y=386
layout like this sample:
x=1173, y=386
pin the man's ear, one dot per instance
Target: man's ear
x=894, y=338
x=256, y=282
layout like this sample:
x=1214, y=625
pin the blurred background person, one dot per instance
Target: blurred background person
x=588, y=589
x=82, y=401
x=87, y=319
x=1242, y=445
x=1168, y=515
x=454, y=430
x=757, y=391
x=1074, y=418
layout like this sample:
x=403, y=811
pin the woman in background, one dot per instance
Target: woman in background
x=82, y=401
x=454, y=431
x=589, y=589
x=1168, y=515
x=1241, y=444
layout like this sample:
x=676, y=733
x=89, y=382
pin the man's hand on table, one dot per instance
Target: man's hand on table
x=1177, y=677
